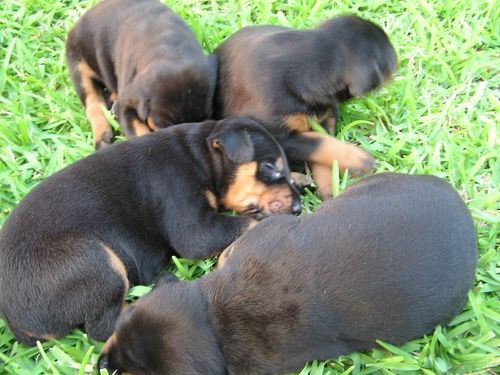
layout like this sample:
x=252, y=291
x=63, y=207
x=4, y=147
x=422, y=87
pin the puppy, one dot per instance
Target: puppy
x=390, y=259
x=71, y=247
x=140, y=54
x=284, y=77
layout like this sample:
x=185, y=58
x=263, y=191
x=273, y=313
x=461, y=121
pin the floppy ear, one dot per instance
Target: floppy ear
x=363, y=77
x=235, y=144
x=133, y=96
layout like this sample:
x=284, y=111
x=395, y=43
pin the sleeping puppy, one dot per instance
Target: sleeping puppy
x=71, y=247
x=140, y=54
x=389, y=259
x=284, y=77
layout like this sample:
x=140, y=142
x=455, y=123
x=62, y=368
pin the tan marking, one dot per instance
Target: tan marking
x=253, y=223
x=298, y=122
x=109, y=344
x=140, y=128
x=246, y=190
x=211, y=199
x=327, y=120
x=101, y=130
x=117, y=264
x=347, y=155
x=151, y=124
x=224, y=255
x=300, y=179
x=323, y=178
x=279, y=164
x=329, y=149
x=113, y=97
x=38, y=336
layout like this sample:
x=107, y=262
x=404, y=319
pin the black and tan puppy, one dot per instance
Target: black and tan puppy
x=140, y=54
x=284, y=77
x=70, y=248
x=390, y=259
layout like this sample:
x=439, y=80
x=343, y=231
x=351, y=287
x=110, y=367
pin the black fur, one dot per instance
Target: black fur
x=141, y=201
x=271, y=72
x=143, y=53
x=389, y=259
x=285, y=77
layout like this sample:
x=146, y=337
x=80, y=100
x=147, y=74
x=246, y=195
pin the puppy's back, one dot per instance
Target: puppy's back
x=404, y=254
x=389, y=259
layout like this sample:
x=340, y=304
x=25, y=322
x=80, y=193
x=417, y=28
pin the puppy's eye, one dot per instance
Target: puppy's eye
x=268, y=169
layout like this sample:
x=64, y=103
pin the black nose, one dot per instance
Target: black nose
x=296, y=208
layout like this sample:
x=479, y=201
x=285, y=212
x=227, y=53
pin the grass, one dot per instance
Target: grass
x=439, y=115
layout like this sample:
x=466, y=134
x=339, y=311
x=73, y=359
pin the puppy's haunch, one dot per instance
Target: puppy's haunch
x=284, y=77
x=389, y=259
x=139, y=55
x=70, y=248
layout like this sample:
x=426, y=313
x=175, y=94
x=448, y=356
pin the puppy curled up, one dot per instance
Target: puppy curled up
x=284, y=77
x=389, y=259
x=143, y=58
x=71, y=247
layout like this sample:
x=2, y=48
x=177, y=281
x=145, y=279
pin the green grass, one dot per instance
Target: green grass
x=439, y=115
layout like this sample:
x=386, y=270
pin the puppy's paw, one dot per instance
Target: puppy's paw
x=357, y=161
x=104, y=141
x=301, y=180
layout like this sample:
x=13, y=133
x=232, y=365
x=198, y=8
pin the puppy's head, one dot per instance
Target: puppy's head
x=257, y=179
x=164, y=96
x=165, y=332
x=368, y=57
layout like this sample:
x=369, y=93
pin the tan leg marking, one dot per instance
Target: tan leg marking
x=211, y=199
x=38, y=336
x=347, y=155
x=327, y=120
x=300, y=179
x=117, y=264
x=298, y=122
x=140, y=128
x=329, y=149
x=113, y=97
x=152, y=125
x=323, y=178
x=94, y=101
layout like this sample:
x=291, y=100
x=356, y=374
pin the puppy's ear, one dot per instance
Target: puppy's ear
x=133, y=96
x=363, y=77
x=235, y=144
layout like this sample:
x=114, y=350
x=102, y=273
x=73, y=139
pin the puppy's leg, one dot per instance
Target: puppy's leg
x=84, y=80
x=300, y=180
x=80, y=285
x=329, y=120
x=320, y=151
x=130, y=123
x=213, y=233
x=100, y=321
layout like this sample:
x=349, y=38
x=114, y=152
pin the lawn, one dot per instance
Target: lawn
x=439, y=115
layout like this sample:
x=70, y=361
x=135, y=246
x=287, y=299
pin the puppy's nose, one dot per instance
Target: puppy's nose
x=296, y=208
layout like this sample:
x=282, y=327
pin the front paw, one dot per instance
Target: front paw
x=357, y=161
